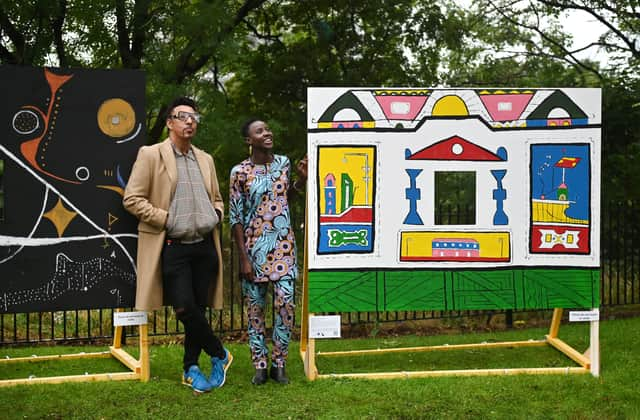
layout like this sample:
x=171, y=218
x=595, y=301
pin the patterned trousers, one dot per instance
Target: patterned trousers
x=283, y=306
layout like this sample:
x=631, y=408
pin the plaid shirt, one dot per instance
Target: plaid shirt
x=191, y=214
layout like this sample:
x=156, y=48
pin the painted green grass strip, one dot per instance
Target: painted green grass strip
x=532, y=288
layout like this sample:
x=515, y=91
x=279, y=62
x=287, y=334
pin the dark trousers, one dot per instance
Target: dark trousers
x=187, y=270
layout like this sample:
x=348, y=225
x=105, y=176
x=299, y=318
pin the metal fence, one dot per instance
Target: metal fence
x=620, y=285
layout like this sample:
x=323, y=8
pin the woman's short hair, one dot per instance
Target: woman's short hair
x=244, y=130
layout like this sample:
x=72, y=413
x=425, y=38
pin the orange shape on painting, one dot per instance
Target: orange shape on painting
x=29, y=148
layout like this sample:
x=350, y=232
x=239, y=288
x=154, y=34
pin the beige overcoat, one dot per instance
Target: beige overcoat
x=147, y=196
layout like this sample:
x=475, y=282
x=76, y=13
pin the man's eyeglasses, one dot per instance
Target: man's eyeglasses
x=184, y=116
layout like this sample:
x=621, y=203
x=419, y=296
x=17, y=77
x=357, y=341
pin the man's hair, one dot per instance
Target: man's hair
x=181, y=100
x=244, y=130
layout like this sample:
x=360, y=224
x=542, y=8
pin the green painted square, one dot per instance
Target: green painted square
x=483, y=289
x=414, y=290
x=342, y=291
x=561, y=288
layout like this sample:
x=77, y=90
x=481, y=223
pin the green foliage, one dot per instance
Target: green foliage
x=621, y=141
x=242, y=58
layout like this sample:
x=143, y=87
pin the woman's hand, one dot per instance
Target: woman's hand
x=301, y=168
x=246, y=271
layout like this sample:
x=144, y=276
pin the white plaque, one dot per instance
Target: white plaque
x=324, y=326
x=583, y=316
x=129, y=318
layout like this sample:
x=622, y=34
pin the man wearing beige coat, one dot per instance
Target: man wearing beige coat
x=173, y=190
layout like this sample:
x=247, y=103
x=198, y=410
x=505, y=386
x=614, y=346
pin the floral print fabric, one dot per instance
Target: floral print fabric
x=283, y=306
x=258, y=201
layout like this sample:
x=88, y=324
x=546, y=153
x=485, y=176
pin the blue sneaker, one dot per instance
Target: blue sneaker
x=196, y=380
x=219, y=369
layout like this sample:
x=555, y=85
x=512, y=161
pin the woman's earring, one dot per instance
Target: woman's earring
x=250, y=150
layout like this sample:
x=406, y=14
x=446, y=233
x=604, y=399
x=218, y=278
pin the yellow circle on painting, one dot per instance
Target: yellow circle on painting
x=116, y=117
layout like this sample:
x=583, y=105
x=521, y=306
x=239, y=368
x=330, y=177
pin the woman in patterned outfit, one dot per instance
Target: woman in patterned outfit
x=261, y=227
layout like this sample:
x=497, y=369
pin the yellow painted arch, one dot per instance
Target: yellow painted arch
x=450, y=105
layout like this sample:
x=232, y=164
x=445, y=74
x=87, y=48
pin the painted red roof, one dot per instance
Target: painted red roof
x=455, y=148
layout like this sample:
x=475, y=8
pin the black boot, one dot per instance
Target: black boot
x=260, y=377
x=279, y=375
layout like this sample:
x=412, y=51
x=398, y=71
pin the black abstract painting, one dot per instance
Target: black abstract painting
x=68, y=139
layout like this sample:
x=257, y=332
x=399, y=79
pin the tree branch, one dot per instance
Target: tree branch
x=6, y=56
x=242, y=13
x=610, y=25
x=573, y=59
x=186, y=66
x=268, y=37
x=141, y=18
x=56, y=23
x=14, y=35
x=123, y=34
x=218, y=82
x=42, y=19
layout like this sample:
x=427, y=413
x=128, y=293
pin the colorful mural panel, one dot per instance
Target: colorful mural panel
x=524, y=164
x=560, y=194
x=69, y=138
x=455, y=246
x=346, y=178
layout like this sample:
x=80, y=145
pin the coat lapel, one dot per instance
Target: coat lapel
x=169, y=160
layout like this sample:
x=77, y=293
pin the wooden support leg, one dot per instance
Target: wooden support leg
x=307, y=347
x=304, y=324
x=145, y=369
x=310, y=369
x=594, y=347
x=555, y=323
x=117, y=333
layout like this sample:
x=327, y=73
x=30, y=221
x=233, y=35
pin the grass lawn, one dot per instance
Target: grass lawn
x=613, y=395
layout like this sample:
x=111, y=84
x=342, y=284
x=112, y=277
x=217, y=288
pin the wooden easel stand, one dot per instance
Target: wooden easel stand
x=139, y=368
x=588, y=361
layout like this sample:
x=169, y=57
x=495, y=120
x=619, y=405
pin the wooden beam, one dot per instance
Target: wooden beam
x=509, y=344
x=594, y=349
x=472, y=372
x=120, y=376
x=569, y=352
x=126, y=359
x=34, y=358
x=144, y=362
x=304, y=323
x=309, y=361
x=555, y=323
x=117, y=332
